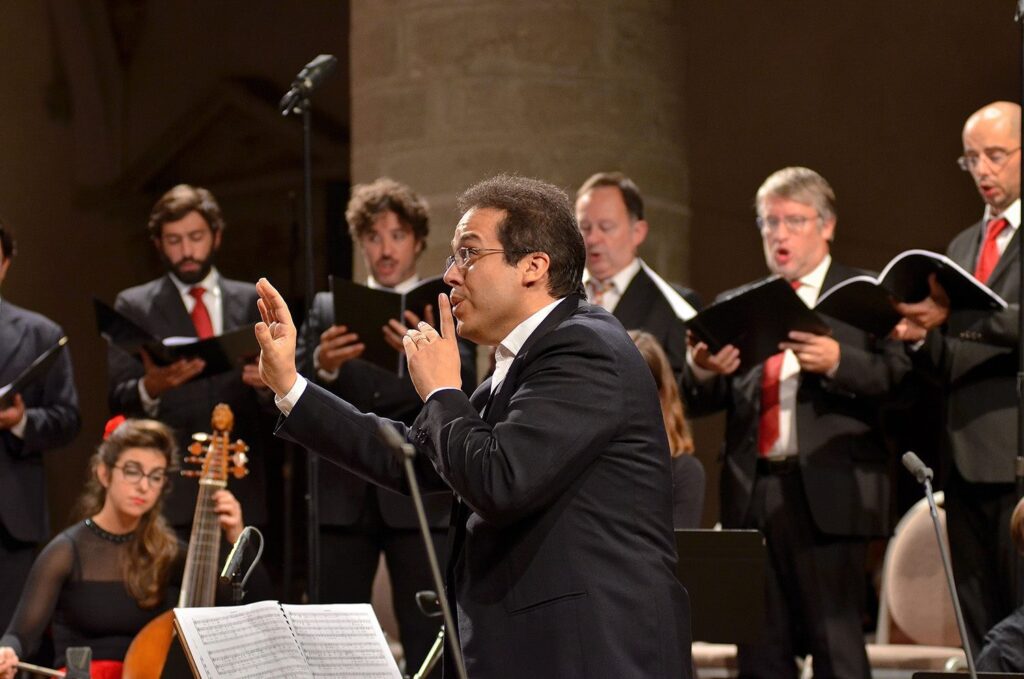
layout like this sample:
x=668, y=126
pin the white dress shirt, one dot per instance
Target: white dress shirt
x=789, y=378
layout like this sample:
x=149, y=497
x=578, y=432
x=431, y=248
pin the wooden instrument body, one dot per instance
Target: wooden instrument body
x=148, y=651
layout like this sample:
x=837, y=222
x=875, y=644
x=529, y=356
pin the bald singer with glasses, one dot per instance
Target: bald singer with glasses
x=974, y=357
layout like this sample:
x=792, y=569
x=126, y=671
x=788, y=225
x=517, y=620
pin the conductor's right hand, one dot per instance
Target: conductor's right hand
x=8, y=662
x=725, y=362
x=338, y=347
x=159, y=379
x=276, y=335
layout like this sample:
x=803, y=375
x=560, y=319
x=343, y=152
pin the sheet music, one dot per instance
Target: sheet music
x=342, y=640
x=241, y=642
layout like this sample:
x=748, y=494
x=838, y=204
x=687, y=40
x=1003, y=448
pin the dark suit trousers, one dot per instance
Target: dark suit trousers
x=349, y=556
x=16, y=559
x=978, y=524
x=814, y=589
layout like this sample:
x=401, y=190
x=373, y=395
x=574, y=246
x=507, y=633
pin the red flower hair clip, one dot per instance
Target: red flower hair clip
x=112, y=424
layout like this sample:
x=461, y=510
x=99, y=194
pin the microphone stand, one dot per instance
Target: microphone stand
x=923, y=474
x=393, y=439
x=302, y=105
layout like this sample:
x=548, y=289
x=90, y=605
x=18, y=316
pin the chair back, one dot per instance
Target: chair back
x=914, y=593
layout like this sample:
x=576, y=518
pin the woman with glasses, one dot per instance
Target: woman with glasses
x=100, y=581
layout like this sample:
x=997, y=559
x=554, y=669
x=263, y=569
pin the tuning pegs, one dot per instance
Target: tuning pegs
x=190, y=473
x=196, y=448
x=193, y=458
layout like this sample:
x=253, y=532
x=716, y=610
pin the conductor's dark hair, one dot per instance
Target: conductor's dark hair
x=538, y=218
x=179, y=202
x=629, y=190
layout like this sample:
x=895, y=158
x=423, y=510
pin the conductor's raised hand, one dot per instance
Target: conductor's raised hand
x=276, y=335
x=434, y=358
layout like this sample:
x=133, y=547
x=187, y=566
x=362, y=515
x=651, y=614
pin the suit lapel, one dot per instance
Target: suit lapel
x=11, y=335
x=169, y=308
x=633, y=299
x=232, y=307
x=967, y=257
x=499, y=401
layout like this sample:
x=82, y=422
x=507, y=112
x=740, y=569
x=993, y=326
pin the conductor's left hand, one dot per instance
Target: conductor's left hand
x=276, y=335
x=434, y=358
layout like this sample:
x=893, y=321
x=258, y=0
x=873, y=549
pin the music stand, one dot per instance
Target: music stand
x=724, y=573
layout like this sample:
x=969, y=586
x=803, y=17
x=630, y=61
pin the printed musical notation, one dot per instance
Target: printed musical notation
x=268, y=639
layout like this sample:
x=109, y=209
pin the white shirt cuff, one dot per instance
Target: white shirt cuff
x=320, y=372
x=149, y=404
x=287, y=402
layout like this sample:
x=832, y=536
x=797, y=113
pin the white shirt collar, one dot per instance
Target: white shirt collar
x=509, y=347
x=1011, y=213
x=816, y=278
x=620, y=280
x=402, y=288
x=211, y=283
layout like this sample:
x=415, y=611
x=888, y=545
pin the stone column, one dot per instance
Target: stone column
x=445, y=94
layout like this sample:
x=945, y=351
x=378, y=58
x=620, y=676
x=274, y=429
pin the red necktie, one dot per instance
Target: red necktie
x=200, y=314
x=768, y=429
x=989, y=251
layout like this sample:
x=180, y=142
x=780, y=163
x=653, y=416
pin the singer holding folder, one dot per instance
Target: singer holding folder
x=101, y=580
x=561, y=557
x=44, y=416
x=973, y=356
x=804, y=461
x=192, y=299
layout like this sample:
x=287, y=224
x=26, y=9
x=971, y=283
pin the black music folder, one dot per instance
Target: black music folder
x=755, y=320
x=36, y=370
x=864, y=301
x=724, y=573
x=221, y=353
x=366, y=311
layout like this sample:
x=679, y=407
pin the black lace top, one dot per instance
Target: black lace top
x=76, y=583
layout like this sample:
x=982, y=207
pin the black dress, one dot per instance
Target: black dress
x=76, y=583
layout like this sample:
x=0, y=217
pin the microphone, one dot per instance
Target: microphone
x=915, y=466
x=308, y=79
x=234, y=562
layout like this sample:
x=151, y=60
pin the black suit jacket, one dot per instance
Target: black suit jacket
x=52, y=420
x=975, y=358
x=371, y=390
x=643, y=307
x=843, y=457
x=157, y=307
x=562, y=558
